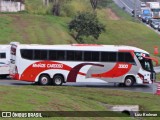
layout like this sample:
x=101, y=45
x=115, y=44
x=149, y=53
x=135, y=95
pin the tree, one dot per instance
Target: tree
x=94, y=4
x=46, y=2
x=86, y=24
x=56, y=7
x=57, y=4
x=100, y=3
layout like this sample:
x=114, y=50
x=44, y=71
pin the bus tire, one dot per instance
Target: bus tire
x=58, y=80
x=129, y=81
x=44, y=79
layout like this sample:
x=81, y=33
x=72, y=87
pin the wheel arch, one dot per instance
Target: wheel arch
x=42, y=73
x=40, y=81
x=130, y=75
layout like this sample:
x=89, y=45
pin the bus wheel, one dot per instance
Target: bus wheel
x=58, y=80
x=44, y=80
x=129, y=81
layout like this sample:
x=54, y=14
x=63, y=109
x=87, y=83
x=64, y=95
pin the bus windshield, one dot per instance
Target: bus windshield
x=145, y=63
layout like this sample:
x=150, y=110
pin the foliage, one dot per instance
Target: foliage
x=67, y=98
x=86, y=24
x=37, y=7
x=100, y=3
x=104, y=3
x=34, y=29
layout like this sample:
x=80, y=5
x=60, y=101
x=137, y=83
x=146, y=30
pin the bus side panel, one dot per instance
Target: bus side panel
x=113, y=72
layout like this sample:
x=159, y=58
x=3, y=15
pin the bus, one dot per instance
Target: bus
x=4, y=60
x=58, y=64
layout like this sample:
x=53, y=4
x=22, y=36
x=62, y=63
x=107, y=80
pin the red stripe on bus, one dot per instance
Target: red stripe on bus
x=118, y=70
x=31, y=72
x=72, y=76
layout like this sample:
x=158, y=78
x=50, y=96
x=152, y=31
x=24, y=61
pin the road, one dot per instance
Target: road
x=128, y=5
x=136, y=88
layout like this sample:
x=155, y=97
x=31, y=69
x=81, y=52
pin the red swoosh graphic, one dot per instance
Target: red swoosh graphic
x=116, y=71
x=30, y=73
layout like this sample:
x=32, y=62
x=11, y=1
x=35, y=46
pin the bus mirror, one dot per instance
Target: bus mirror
x=153, y=59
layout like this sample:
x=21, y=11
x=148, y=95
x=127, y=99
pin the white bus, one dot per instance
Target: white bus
x=57, y=64
x=4, y=60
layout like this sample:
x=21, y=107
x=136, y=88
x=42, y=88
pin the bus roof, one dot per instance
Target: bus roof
x=4, y=47
x=87, y=47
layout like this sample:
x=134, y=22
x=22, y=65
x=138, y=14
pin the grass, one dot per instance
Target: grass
x=46, y=29
x=34, y=29
x=120, y=12
x=35, y=98
x=129, y=33
x=36, y=7
x=53, y=30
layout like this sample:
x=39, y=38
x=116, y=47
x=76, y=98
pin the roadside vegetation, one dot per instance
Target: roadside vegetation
x=37, y=25
x=67, y=98
x=44, y=28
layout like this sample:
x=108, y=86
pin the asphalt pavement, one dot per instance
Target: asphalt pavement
x=128, y=5
x=136, y=88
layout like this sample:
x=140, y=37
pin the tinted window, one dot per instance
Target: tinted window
x=52, y=55
x=108, y=56
x=27, y=54
x=121, y=57
x=78, y=55
x=70, y=55
x=2, y=55
x=104, y=56
x=40, y=54
x=112, y=57
x=56, y=55
x=60, y=55
x=95, y=56
x=125, y=57
x=129, y=58
x=87, y=56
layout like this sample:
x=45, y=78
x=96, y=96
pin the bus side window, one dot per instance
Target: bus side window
x=27, y=54
x=2, y=55
x=70, y=55
x=104, y=56
x=87, y=56
x=40, y=54
x=78, y=55
x=60, y=55
x=52, y=55
x=129, y=58
x=95, y=56
x=121, y=57
x=125, y=57
x=112, y=57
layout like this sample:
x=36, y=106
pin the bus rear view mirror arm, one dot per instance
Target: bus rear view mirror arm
x=154, y=59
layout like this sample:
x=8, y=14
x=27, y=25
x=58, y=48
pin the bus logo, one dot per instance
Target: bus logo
x=123, y=66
